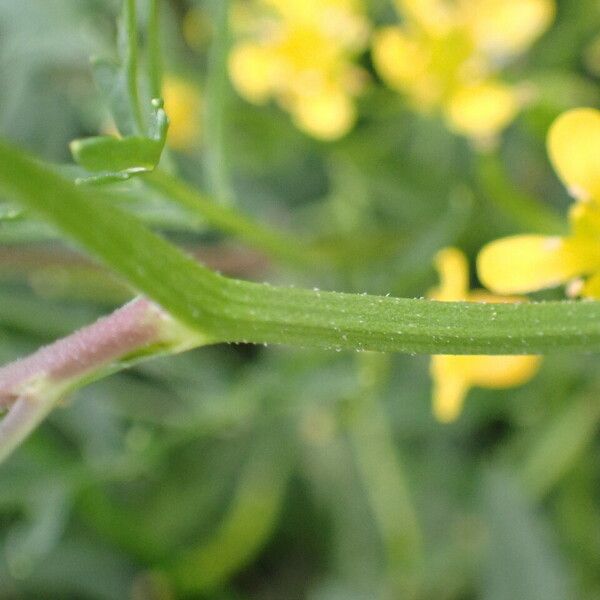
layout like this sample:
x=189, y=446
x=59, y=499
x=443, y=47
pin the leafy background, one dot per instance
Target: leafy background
x=267, y=472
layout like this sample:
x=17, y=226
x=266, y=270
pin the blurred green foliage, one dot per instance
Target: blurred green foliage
x=237, y=472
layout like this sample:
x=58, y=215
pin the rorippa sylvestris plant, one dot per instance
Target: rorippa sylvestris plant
x=448, y=57
x=475, y=338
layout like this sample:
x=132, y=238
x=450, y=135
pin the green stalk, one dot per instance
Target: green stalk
x=128, y=44
x=237, y=311
x=217, y=101
x=154, y=53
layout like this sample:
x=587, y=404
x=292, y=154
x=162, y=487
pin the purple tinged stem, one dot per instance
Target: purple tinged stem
x=31, y=386
x=132, y=327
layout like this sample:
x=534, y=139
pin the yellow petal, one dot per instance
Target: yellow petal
x=399, y=58
x=345, y=23
x=453, y=271
x=183, y=104
x=526, y=263
x=453, y=376
x=499, y=372
x=251, y=70
x=450, y=386
x=482, y=110
x=574, y=148
x=508, y=27
x=584, y=219
x=339, y=19
x=436, y=17
x=486, y=297
x=327, y=115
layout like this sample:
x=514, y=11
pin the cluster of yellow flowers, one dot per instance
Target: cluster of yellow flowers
x=528, y=263
x=300, y=53
x=446, y=55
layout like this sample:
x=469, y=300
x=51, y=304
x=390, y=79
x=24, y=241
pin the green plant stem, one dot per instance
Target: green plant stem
x=128, y=47
x=217, y=102
x=229, y=220
x=230, y=310
x=154, y=50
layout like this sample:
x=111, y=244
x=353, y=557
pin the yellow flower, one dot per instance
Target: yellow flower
x=446, y=56
x=480, y=110
x=183, y=104
x=526, y=263
x=300, y=54
x=505, y=28
x=453, y=376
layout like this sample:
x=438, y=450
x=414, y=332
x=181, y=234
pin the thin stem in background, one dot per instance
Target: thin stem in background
x=154, y=50
x=128, y=45
x=217, y=103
